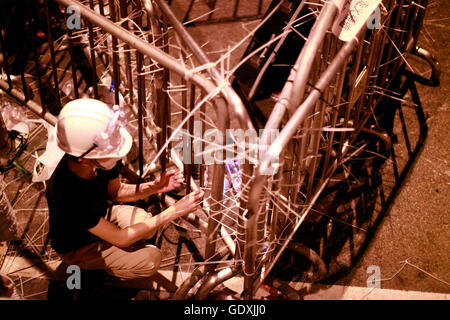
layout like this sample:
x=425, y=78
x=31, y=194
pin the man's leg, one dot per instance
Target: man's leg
x=129, y=263
x=137, y=261
x=125, y=216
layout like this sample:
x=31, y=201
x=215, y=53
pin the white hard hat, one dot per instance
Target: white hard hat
x=89, y=128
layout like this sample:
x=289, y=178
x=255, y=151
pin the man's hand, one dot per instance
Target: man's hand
x=189, y=203
x=169, y=180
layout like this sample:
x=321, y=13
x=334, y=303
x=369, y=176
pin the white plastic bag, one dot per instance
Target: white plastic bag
x=48, y=161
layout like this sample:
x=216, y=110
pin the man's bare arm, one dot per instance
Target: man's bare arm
x=125, y=237
x=123, y=192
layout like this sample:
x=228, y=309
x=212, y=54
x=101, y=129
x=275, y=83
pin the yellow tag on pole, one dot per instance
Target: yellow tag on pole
x=359, y=87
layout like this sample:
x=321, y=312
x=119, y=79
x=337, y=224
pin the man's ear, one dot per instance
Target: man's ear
x=82, y=160
x=74, y=158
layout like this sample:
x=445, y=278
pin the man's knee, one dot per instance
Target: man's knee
x=126, y=215
x=152, y=261
x=141, y=264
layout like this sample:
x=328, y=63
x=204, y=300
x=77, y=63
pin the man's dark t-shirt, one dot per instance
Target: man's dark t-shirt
x=75, y=205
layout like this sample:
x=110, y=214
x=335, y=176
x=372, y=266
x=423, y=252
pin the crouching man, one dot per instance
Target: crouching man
x=85, y=230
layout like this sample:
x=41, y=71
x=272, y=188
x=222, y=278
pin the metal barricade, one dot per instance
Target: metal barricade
x=321, y=115
x=331, y=99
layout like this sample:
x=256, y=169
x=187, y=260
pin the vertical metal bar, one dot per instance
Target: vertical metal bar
x=184, y=107
x=73, y=64
x=391, y=51
x=191, y=133
x=101, y=6
x=374, y=62
x=5, y=61
x=235, y=8
x=23, y=63
x=407, y=26
x=160, y=135
x=212, y=6
x=38, y=75
x=105, y=42
x=217, y=196
x=202, y=119
x=405, y=132
x=309, y=156
x=259, y=7
x=124, y=13
x=141, y=101
x=164, y=110
x=188, y=126
x=319, y=118
x=419, y=20
x=312, y=138
x=161, y=104
x=92, y=52
x=354, y=75
x=166, y=86
x=141, y=96
x=277, y=220
x=5, y=142
x=333, y=97
x=247, y=171
x=52, y=55
x=338, y=94
x=24, y=84
x=186, y=15
x=115, y=54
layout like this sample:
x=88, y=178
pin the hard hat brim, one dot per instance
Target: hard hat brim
x=120, y=152
x=128, y=142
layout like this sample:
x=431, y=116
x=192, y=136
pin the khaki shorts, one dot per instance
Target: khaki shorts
x=139, y=260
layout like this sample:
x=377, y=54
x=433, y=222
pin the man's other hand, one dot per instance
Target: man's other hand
x=169, y=181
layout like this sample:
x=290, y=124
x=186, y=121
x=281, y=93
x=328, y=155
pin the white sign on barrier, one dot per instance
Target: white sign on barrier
x=353, y=15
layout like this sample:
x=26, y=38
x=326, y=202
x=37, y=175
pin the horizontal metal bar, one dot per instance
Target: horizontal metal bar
x=230, y=95
x=33, y=106
x=140, y=45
